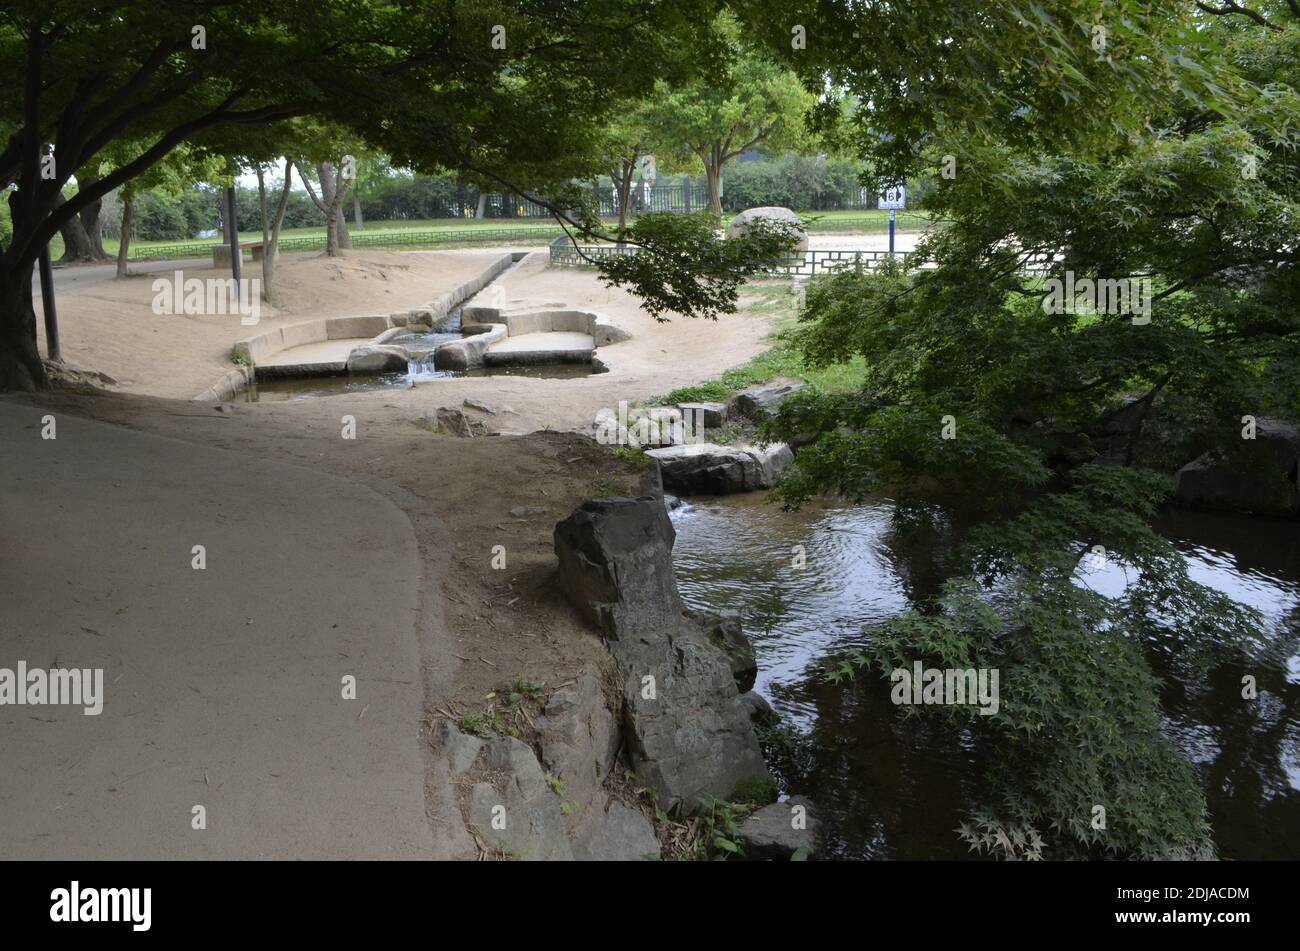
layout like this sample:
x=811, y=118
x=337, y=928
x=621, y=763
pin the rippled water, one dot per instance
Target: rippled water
x=894, y=788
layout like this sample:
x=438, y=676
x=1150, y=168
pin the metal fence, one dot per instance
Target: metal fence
x=563, y=253
x=526, y=234
x=362, y=239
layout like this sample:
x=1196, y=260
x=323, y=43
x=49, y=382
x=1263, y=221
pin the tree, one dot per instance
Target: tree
x=1064, y=424
x=627, y=139
x=335, y=181
x=748, y=101
x=425, y=83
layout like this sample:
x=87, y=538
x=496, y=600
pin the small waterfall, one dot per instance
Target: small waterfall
x=422, y=345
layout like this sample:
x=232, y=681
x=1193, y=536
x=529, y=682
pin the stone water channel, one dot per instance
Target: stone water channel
x=890, y=788
x=420, y=369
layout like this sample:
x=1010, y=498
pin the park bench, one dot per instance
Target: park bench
x=221, y=252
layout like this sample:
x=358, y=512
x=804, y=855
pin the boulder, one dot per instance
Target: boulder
x=764, y=402
x=689, y=737
x=579, y=739
x=687, y=734
x=756, y=705
x=712, y=415
x=774, y=833
x=458, y=749
x=457, y=423
x=378, y=358
x=616, y=834
x=535, y=827
x=1213, y=480
x=479, y=405
x=725, y=633
x=616, y=565
x=1280, y=438
x=710, y=469
x=740, y=225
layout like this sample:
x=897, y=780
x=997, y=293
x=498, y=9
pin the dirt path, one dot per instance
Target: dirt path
x=222, y=686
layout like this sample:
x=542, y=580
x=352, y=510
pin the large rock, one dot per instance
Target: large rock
x=458, y=749
x=741, y=224
x=725, y=633
x=687, y=734
x=378, y=358
x=1213, y=480
x=712, y=415
x=710, y=469
x=534, y=825
x=618, y=834
x=1259, y=476
x=774, y=833
x=616, y=565
x=764, y=402
x=578, y=736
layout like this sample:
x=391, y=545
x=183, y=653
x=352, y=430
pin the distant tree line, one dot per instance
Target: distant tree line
x=804, y=183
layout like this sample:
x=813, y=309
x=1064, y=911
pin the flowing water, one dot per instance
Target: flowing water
x=889, y=787
x=420, y=369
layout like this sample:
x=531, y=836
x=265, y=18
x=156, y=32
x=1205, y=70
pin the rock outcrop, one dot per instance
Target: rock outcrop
x=1261, y=478
x=710, y=469
x=780, y=831
x=520, y=814
x=687, y=733
x=378, y=358
x=763, y=402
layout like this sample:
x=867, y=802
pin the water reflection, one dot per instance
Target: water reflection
x=892, y=786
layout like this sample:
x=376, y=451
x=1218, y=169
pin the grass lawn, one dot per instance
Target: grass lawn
x=821, y=221
x=782, y=360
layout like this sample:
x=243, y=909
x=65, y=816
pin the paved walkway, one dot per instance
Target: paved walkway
x=222, y=687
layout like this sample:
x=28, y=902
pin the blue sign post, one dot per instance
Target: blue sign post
x=893, y=198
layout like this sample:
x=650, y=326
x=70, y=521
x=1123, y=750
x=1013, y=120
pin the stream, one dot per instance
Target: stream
x=890, y=788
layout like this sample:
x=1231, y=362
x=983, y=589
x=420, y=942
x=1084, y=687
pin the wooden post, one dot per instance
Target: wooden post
x=47, y=300
x=232, y=229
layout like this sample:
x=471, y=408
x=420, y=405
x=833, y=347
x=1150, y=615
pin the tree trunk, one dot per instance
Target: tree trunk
x=341, y=224
x=76, y=243
x=271, y=252
x=90, y=221
x=480, y=210
x=20, y=362
x=124, y=244
x=622, y=177
x=261, y=204
x=356, y=212
x=713, y=174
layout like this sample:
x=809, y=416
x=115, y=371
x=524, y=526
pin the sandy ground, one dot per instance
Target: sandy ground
x=659, y=357
x=109, y=325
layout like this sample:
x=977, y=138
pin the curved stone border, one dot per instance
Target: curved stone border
x=233, y=382
x=492, y=324
x=374, y=327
